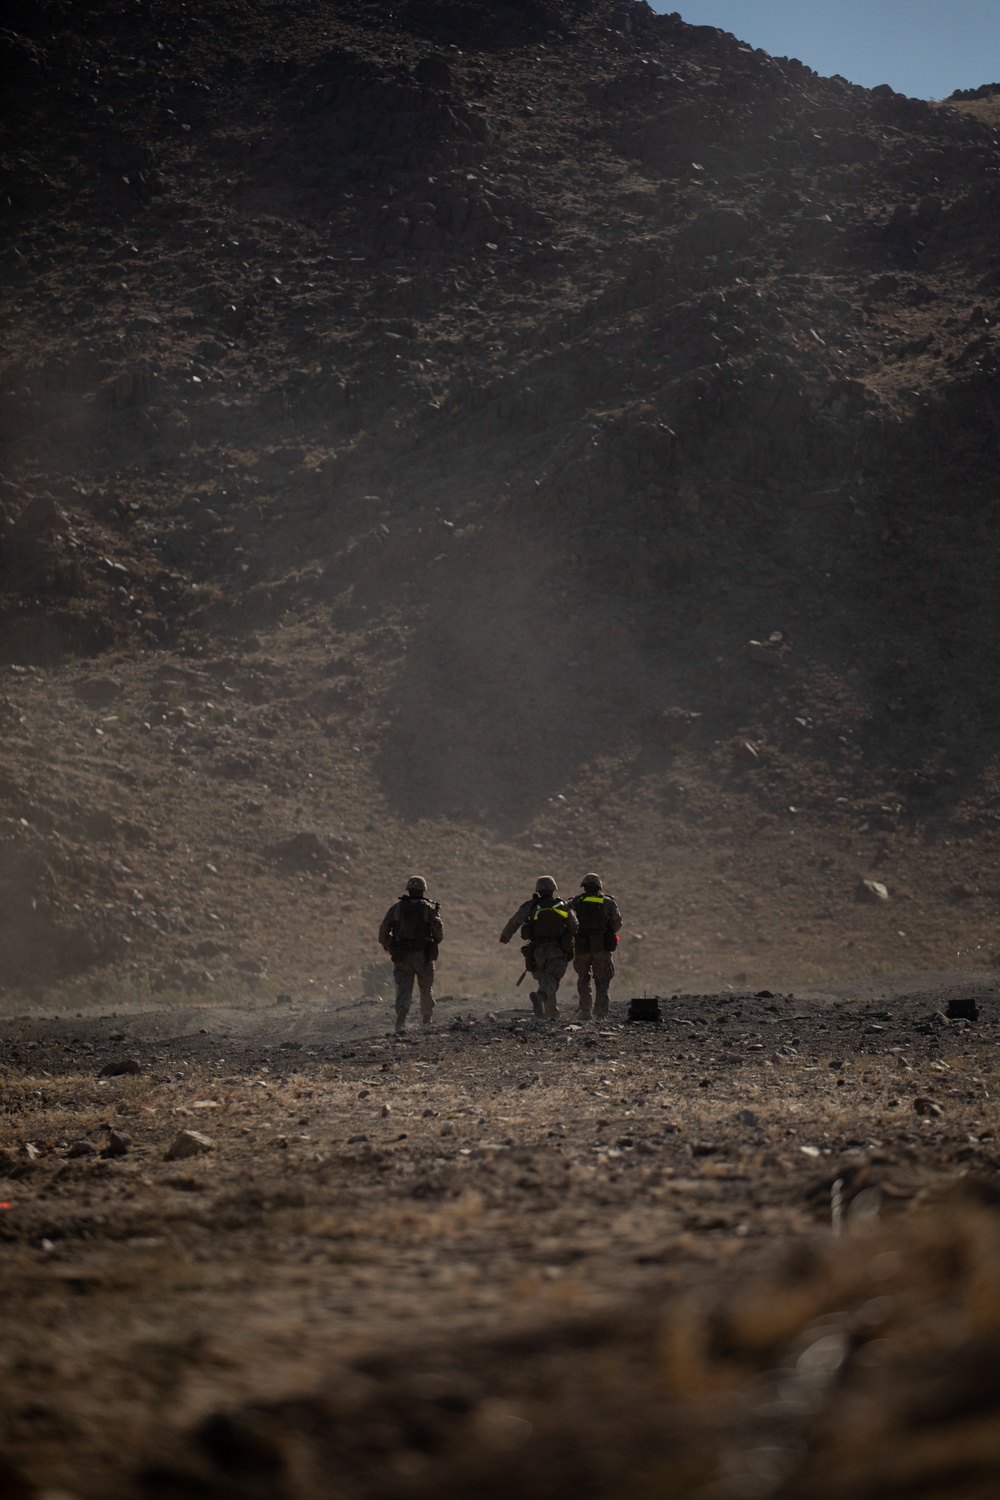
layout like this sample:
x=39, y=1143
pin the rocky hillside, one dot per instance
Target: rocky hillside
x=480, y=438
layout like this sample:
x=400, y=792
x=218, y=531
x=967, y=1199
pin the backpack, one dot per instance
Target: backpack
x=413, y=925
x=549, y=919
x=590, y=914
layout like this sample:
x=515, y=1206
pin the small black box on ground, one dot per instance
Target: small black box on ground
x=645, y=1010
x=962, y=1010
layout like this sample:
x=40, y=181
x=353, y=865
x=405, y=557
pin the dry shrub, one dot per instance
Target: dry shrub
x=850, y=1369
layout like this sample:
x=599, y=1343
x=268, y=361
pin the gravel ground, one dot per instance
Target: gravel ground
x=363, y=1194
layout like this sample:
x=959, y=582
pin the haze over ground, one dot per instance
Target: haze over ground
x=435, y=533
x=483, y=439
x=923, y=48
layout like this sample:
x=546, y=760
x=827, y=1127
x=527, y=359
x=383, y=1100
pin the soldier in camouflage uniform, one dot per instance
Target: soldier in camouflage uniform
x=410, y=933
x=600, y=922
x=548, y=927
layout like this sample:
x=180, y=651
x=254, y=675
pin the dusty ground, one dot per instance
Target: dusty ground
x=365, y=1195
x=487, y=440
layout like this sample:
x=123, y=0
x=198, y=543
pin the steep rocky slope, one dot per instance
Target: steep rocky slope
x=411, y=416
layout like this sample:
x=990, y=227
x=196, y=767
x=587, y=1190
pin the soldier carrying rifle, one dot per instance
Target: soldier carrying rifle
x=548, y=928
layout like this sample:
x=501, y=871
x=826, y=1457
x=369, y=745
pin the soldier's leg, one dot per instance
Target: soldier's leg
x=425, y=979
x=604, y=972
x=537, y=975
x=403, y=974
x=583, y=988
x=556, y=963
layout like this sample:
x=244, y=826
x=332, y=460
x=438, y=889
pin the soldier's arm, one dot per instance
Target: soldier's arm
x=521, y=915
x=437, y=928
x=574, y=921
x=385, y=930
x=614, y=916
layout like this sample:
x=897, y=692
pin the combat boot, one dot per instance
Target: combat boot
x=400, y=1022
x=551, y=1008
x=585, y=1013
x=425, y=1018
x=536, y=1003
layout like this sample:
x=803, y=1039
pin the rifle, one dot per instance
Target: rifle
x=528, y=952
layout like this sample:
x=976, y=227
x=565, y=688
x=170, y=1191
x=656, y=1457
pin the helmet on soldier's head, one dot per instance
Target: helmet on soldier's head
x=592, y=882
x=416, y=885
x=545, y=885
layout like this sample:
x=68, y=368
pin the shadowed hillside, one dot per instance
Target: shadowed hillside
x=403, y=411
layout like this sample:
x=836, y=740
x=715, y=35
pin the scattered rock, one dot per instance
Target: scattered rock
x=39, y=516
x=673, y=726
x=118, y=1143
x=927, y=1107
x=98, y=692
x=385, y=1111
x=81, y=1148
x=765, y=655
x=871, y=891
x=301, y=850
x=127, y=1068
x=189, y=1143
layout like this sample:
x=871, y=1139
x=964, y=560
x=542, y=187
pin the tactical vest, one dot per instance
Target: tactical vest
x=590, y=914
x=549, y=919
x=413, y=924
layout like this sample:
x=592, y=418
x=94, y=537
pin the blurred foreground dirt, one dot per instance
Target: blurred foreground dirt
x=502, y=1257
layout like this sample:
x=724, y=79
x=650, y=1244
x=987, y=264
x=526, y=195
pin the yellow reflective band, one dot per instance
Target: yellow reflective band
x=594, y=898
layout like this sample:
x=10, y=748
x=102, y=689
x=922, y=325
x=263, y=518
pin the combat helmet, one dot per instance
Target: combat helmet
x=416, y=885
x=592, y=882
x=545, y=886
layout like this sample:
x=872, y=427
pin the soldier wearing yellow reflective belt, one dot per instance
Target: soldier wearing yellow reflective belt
x=594, y=955
x=549, y=928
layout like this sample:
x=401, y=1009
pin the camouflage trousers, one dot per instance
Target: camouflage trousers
x=407, y=967
x=601, y=966
x=548, y=965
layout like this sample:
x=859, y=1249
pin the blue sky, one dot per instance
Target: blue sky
x=925, y=48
